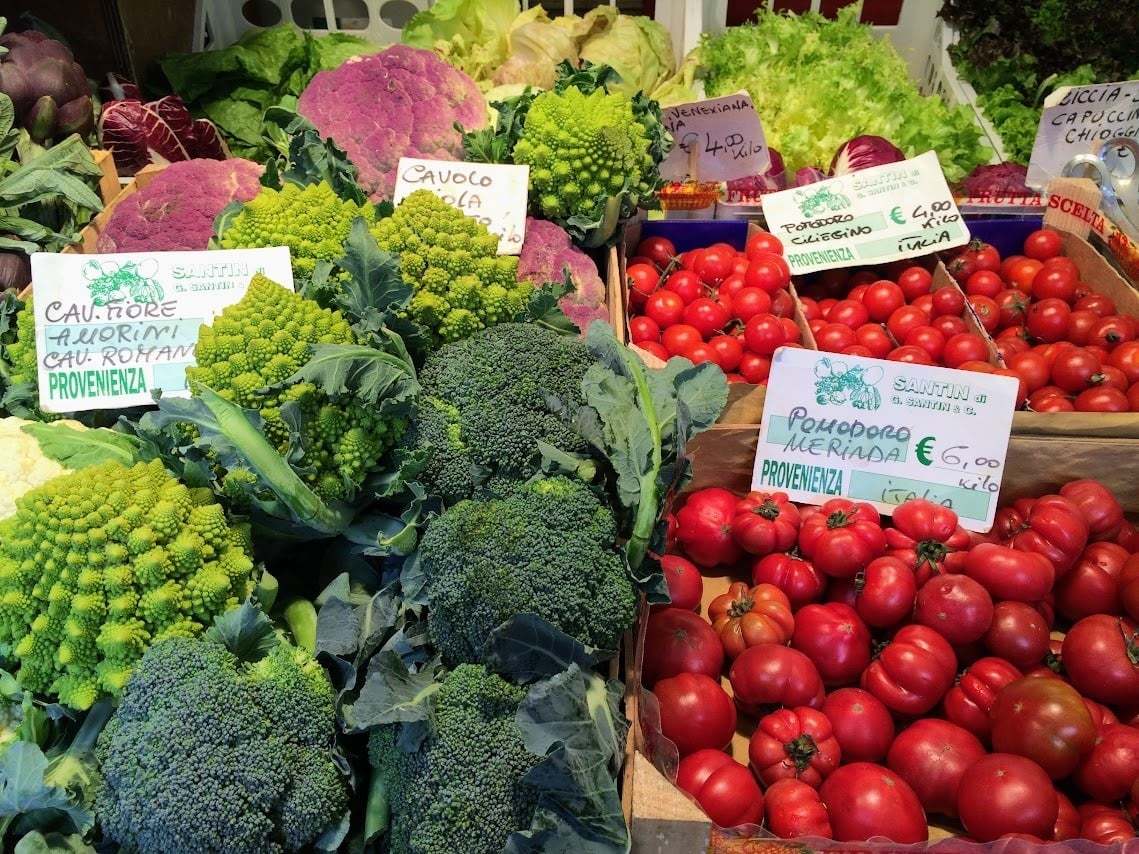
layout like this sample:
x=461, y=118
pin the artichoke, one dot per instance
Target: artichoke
x=47, y=86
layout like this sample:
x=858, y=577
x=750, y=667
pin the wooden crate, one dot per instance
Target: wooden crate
x=109, y=185
x=89, y=236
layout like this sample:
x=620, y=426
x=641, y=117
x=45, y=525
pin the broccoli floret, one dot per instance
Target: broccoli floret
x=312, y=221
x=545, y=547
x=209, y=753
x=98, y=564
x=449, y=259
x=483, y=404
x=254, y=346
x=461, y=790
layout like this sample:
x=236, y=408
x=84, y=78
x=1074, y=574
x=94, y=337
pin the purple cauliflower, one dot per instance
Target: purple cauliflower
x=176, y=210
x=547, y=254
x=401, y=102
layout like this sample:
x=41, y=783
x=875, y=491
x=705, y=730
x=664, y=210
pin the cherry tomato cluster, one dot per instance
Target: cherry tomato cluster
x=714, y=304
x=896, y=315
x=894, y=672
x=1066, y=342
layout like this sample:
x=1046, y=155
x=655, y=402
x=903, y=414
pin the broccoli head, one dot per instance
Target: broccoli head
x=312, y=221
x=98, y=564
x=449, y=260
x=461, y=791
x=207, y=752
x=247, y=356
x=483, y=404
x=545, y=547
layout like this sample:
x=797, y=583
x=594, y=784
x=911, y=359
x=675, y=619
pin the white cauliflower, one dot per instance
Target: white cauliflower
x=23, y=465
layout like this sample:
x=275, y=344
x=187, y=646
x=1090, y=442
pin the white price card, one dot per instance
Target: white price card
x=719, y=139
x=493, y=193
x=884, y=213
x=1079, y=120
x=884, y=432
x=110, y=329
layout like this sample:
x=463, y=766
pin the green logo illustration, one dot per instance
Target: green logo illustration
x=110, y=282
x=814, y=202
x=837, y=384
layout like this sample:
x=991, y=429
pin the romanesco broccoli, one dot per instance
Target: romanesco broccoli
x=207, y=752
x=449, y=259
x=20, y=371
x=247, y=356
x=98, y=564
x=462, y=790
x=545, y=547
x=483, y=404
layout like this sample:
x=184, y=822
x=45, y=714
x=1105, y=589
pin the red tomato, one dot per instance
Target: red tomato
x=1045, y=720
x=765, y=522
x=744, y=616
x=885, y=592
x=913, y=671
x=882, y=299
x=1050, y=402
x=848, y=313
x=767, y=271
x=695, y=712
x=724, y=788
x=948, y=302
x=875, y=339
x=1102, y=399
x=1017, y=634
x=956, y=607
x=796, y=744
x=932, y=756
x=1074, y=369
x=1128, y=537
x=680, y=338
x=1032, y=368
x=781, y=304
x=1101, y=304
x=1080, y=326
x=968, y=346
x=834, y=637
x=1048, y=319
x=763, y=242
x=1067, y=819
x=984, y=283
x=810, y=308
x=655, y=349
x=1055, y=282
x=969, y=703
x=714, y=264
x=659, y=250
x=1042, y=244
x=949, y=325
x=665, y=308
x=915, y=281
x=841, y=536
x=925, y=303
x=926, y=536
x=1113, y=330
x=706, y=315
x=793, y=809
x=862, y=724
x=748, y=302
x=764, y=334
x=679, y=641
x=727, y=351
x=685, y=586
x=731, y=286
x=1092, y=586
x=1125, y=357
x=904, y=319
x=1101, y=657
x=1021, y=576
x=1104, y=825
x=1012, y=306
x=1022, y=273
x=1012, y=346
x=755, y=369
x=705, y=527
x=643, y=279
x=835, y=337
x=1002, y=793
x=1129, y=588
x=794, y=576
x=825, y=307
x=866, y=800
x=987, y=311
x=1007, y=262
x=928, y=339
x=643, y=329
x=1109, y=770
x=1021, y=387
x=1055, y=528
x=910, y=354
x=791, y=330
x=770, y=675
x=686, y=285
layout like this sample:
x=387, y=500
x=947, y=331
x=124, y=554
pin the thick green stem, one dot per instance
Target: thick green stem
x=648, y=507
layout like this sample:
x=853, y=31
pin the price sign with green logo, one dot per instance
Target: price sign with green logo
x=884, y=432
x=884, y=213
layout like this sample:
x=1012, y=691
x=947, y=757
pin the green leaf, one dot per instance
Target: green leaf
x=53, y=843
x=245, y=631
x=375, y=290
x=526, y=648
x=75, y=449
x=7, y=114
x=367, y=374
x=23, y=790
x=392, y=694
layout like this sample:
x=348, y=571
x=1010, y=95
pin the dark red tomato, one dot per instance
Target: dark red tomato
x=1055, y=528
x=968, y=346
x=987, y=311
x=904, y=319
x=794, y=576
x=1126, y=358
x=680, y=338
x=913, y=671
x=763, y=242
x=1102, y=399
x=685, y=284
x=685, y=586
x=791, y=329
x=875, y=339
x=949, y=325
x=643, y=329
x=928, y=339
x=704, y=527
x=910, y=354
x=1105, y=825
x=1129, y=588
x=1073, y=369
x=643, y=279
x=781, y=304
x=1111, y=767
x=706, y=315
x=681, y=642
x=1045, y=720
x=1067, y=819
x=659, y=250
x=1111, y=377
x=1050, y=402
x=861, y=723
x=1018, y=634
x=748, y=302
x=796, y=744
x=834, y=637
x=1048, y=319
x=849, y=313
x=765, y=522
x=793, y=809
x=1128, y=536
x=1092, y=586
x=932, y=756
x=768, y=272
x=915, y=281
x=1002, y=793
x=969, y=703
x=726, y=352
x=755, y=369
x=695, y=712
x=764, y=334
x=714, y=264
x=724, y=788
x=1101, y=304
x=841, y=537
x=1006, y=573
x=1101, y=657
x=1055, y=282
x=885, y=592
x=1009, y=347
x=770, y=675
x=956, y=607
x=1042, y=244
x=666, y=308
x=1112, y=331
x=655, y=348
x=1080, y=326
x=948, y=302
x=984, y=283
x=835, y=337
x=1012, y=307
x=866, y=800
x=882, y=298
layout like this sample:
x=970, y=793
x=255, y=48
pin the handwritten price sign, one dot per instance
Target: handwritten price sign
x=719, y=139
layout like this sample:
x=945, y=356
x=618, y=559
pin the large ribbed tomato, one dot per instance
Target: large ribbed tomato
x=745, y=616
x=704, y=527
x=1054, y=527
x=834, y=637
x=793, y=809
x=913, y=671
x=1045, y=720
x=765, y=522
x=1109, y=770
x=794, y=744
x=1100, y=509
x=927, y=538
x=1092, y=585
x=1101, y=658
x=866, y=800
x=969, y=703
x=794, y=576
x=932, y=755
x=841, y=537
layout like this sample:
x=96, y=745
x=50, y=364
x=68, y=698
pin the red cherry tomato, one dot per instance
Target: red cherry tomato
x=987, y=311
x=968, y=346
x=904, y=319
x=685, y=284
x=1042, y=244
x=1032, y=368
x=791, y=330
x=726, y=352
x=643, y=279
x=835, y=337
x=714, y=264
x=984, y=283
x=656, y=349
x=767, y=271
x=643, y=329
x=925, y=303
x=875, y=339
x=1055, y=282
x=1074, y=369
x=781, y=304
x=915, y=281
x=665, y=308
x=849, y=313
x=949, y=325
x=748, y=302
x=731, y=286
x=948, y=301
x=764, y=334
x=1112, y=330
x=659, y=250
x=911, y=354
x=1048, y=319
x=1102, y=399
x=763, y=242
x=929, y=339
x=754, y=368
x=1013, y=307
x=883, y=298
x=681, y=338
x=708, y=316
x=1101, y=304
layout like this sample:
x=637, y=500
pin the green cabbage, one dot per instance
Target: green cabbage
x=638, y=48
x=469, y=34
